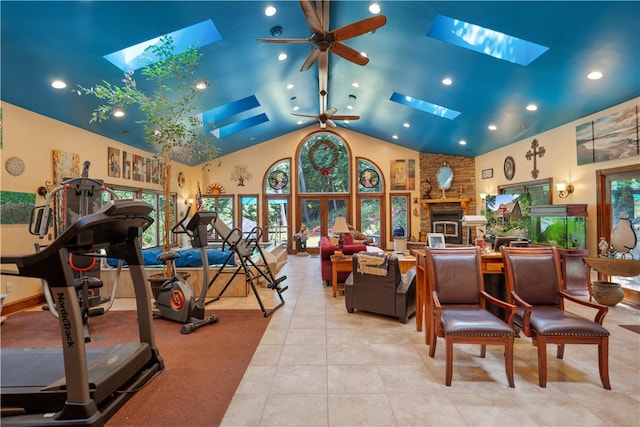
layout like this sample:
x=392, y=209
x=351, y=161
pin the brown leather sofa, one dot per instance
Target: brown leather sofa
x=392, y=295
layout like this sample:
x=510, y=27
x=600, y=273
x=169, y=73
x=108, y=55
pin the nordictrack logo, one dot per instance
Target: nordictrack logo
x=64, y=318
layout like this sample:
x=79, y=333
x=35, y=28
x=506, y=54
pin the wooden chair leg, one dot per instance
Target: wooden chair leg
x=449, y=360
x=508, y=361
x=542, y=362
x=560, y=353
x=433, y=336
x=603, y=362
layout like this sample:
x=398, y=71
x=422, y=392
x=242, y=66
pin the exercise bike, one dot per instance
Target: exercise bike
x=175, y=299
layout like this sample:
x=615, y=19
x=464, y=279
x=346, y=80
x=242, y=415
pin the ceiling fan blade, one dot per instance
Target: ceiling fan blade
x=349, y=54
x=308, y=40
x=331, y=123
x=311, y=59
x=330, y=112
x=345, y=117
x=312, y=16
x=359, y=27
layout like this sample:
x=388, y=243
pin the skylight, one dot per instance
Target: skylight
x=238, y=126
x=484, y=40
x=225, y=111
x=135, y=57
x=425, y=106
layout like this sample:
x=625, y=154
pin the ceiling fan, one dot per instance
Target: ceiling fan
x=324, y=40
x=328, y=117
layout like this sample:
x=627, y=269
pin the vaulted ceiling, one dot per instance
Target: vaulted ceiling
x=249, y=98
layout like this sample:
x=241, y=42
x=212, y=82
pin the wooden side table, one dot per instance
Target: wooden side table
x=338, y=264
x=610, y=267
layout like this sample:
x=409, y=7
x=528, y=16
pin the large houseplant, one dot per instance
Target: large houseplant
x=171, y=124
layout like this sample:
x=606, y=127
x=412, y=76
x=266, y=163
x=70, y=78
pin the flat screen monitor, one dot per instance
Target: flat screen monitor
x=508, y=216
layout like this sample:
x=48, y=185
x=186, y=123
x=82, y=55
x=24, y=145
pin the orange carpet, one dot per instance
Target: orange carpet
x=202, y=370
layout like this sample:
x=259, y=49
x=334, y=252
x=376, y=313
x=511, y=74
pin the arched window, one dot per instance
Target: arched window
x=323, y=164
x=370, y=179
x=279, y=178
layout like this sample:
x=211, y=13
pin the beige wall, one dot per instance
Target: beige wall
x=33, y=137
x=559, y=162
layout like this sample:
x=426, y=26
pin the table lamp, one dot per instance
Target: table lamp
x=340, y=227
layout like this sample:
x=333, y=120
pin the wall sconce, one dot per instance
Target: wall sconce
x=564, y=189
x=188, y=202
x=483, y=196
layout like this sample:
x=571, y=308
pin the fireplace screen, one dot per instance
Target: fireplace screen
x=448, y=228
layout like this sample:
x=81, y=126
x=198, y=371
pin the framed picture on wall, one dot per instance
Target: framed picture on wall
x=487, y=173
x=435, y=240
x=113, y=160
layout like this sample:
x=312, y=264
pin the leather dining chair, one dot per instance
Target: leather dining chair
x=534, y=284
x=459, y=307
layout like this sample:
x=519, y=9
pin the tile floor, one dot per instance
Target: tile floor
x=318, y=365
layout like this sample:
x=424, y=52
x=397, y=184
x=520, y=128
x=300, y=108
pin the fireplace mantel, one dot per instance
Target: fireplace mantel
x=463, y=202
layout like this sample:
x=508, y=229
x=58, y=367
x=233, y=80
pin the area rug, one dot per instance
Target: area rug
x=634, y=328
x=202, y=369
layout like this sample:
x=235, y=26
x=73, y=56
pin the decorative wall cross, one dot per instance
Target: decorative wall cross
x=536, y=151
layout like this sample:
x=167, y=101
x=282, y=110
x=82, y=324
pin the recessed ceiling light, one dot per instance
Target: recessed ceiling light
x=355, y=84
x=394, y=136
x=282, y=57
x=201, y=85
x=58, y=84
x=299, y=122
x=374, y=8
x=447, y=81
x=406, y=125
x=532, y=107
x=595, y=75
x=462, y=142
x=296, y=108
x=349, y=107
x=493, y=127
x=270, y=11
x=118, y=112
x=290, y=86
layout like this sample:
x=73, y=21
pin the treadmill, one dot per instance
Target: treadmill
x=71, y=384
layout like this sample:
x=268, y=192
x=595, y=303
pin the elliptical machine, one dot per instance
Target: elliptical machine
x=175, y=298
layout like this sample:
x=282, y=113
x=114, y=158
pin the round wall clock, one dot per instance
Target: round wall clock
x=14, y=165
x=509, y=168
x=369, y=178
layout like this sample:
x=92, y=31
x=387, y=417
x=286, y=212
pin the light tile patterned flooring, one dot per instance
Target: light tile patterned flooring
x=318, y=365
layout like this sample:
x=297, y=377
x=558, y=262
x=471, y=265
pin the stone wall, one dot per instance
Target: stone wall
x=464, y=184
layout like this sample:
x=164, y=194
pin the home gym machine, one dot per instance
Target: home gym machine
x=74, y=384
x=75, y=198
x=175, y=298
x=246, y=250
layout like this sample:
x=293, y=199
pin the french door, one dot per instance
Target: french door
x=318, y=213
x=618, y=192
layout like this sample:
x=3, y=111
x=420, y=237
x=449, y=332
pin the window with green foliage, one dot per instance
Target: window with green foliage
x=400, y=215
x=279, y=178
x=369, y=177
x=224, y=206
x=324, y=164
x=539, y=191
x=152, y=236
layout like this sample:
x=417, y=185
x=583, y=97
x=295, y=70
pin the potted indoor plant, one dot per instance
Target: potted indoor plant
x=171, y=123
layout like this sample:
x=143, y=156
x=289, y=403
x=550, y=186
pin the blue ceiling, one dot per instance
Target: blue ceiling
x=43, y=41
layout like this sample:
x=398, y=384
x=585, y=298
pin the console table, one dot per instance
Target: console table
x=610, y=267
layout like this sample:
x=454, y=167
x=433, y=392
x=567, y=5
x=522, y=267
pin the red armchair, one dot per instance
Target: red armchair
x=327, y=249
